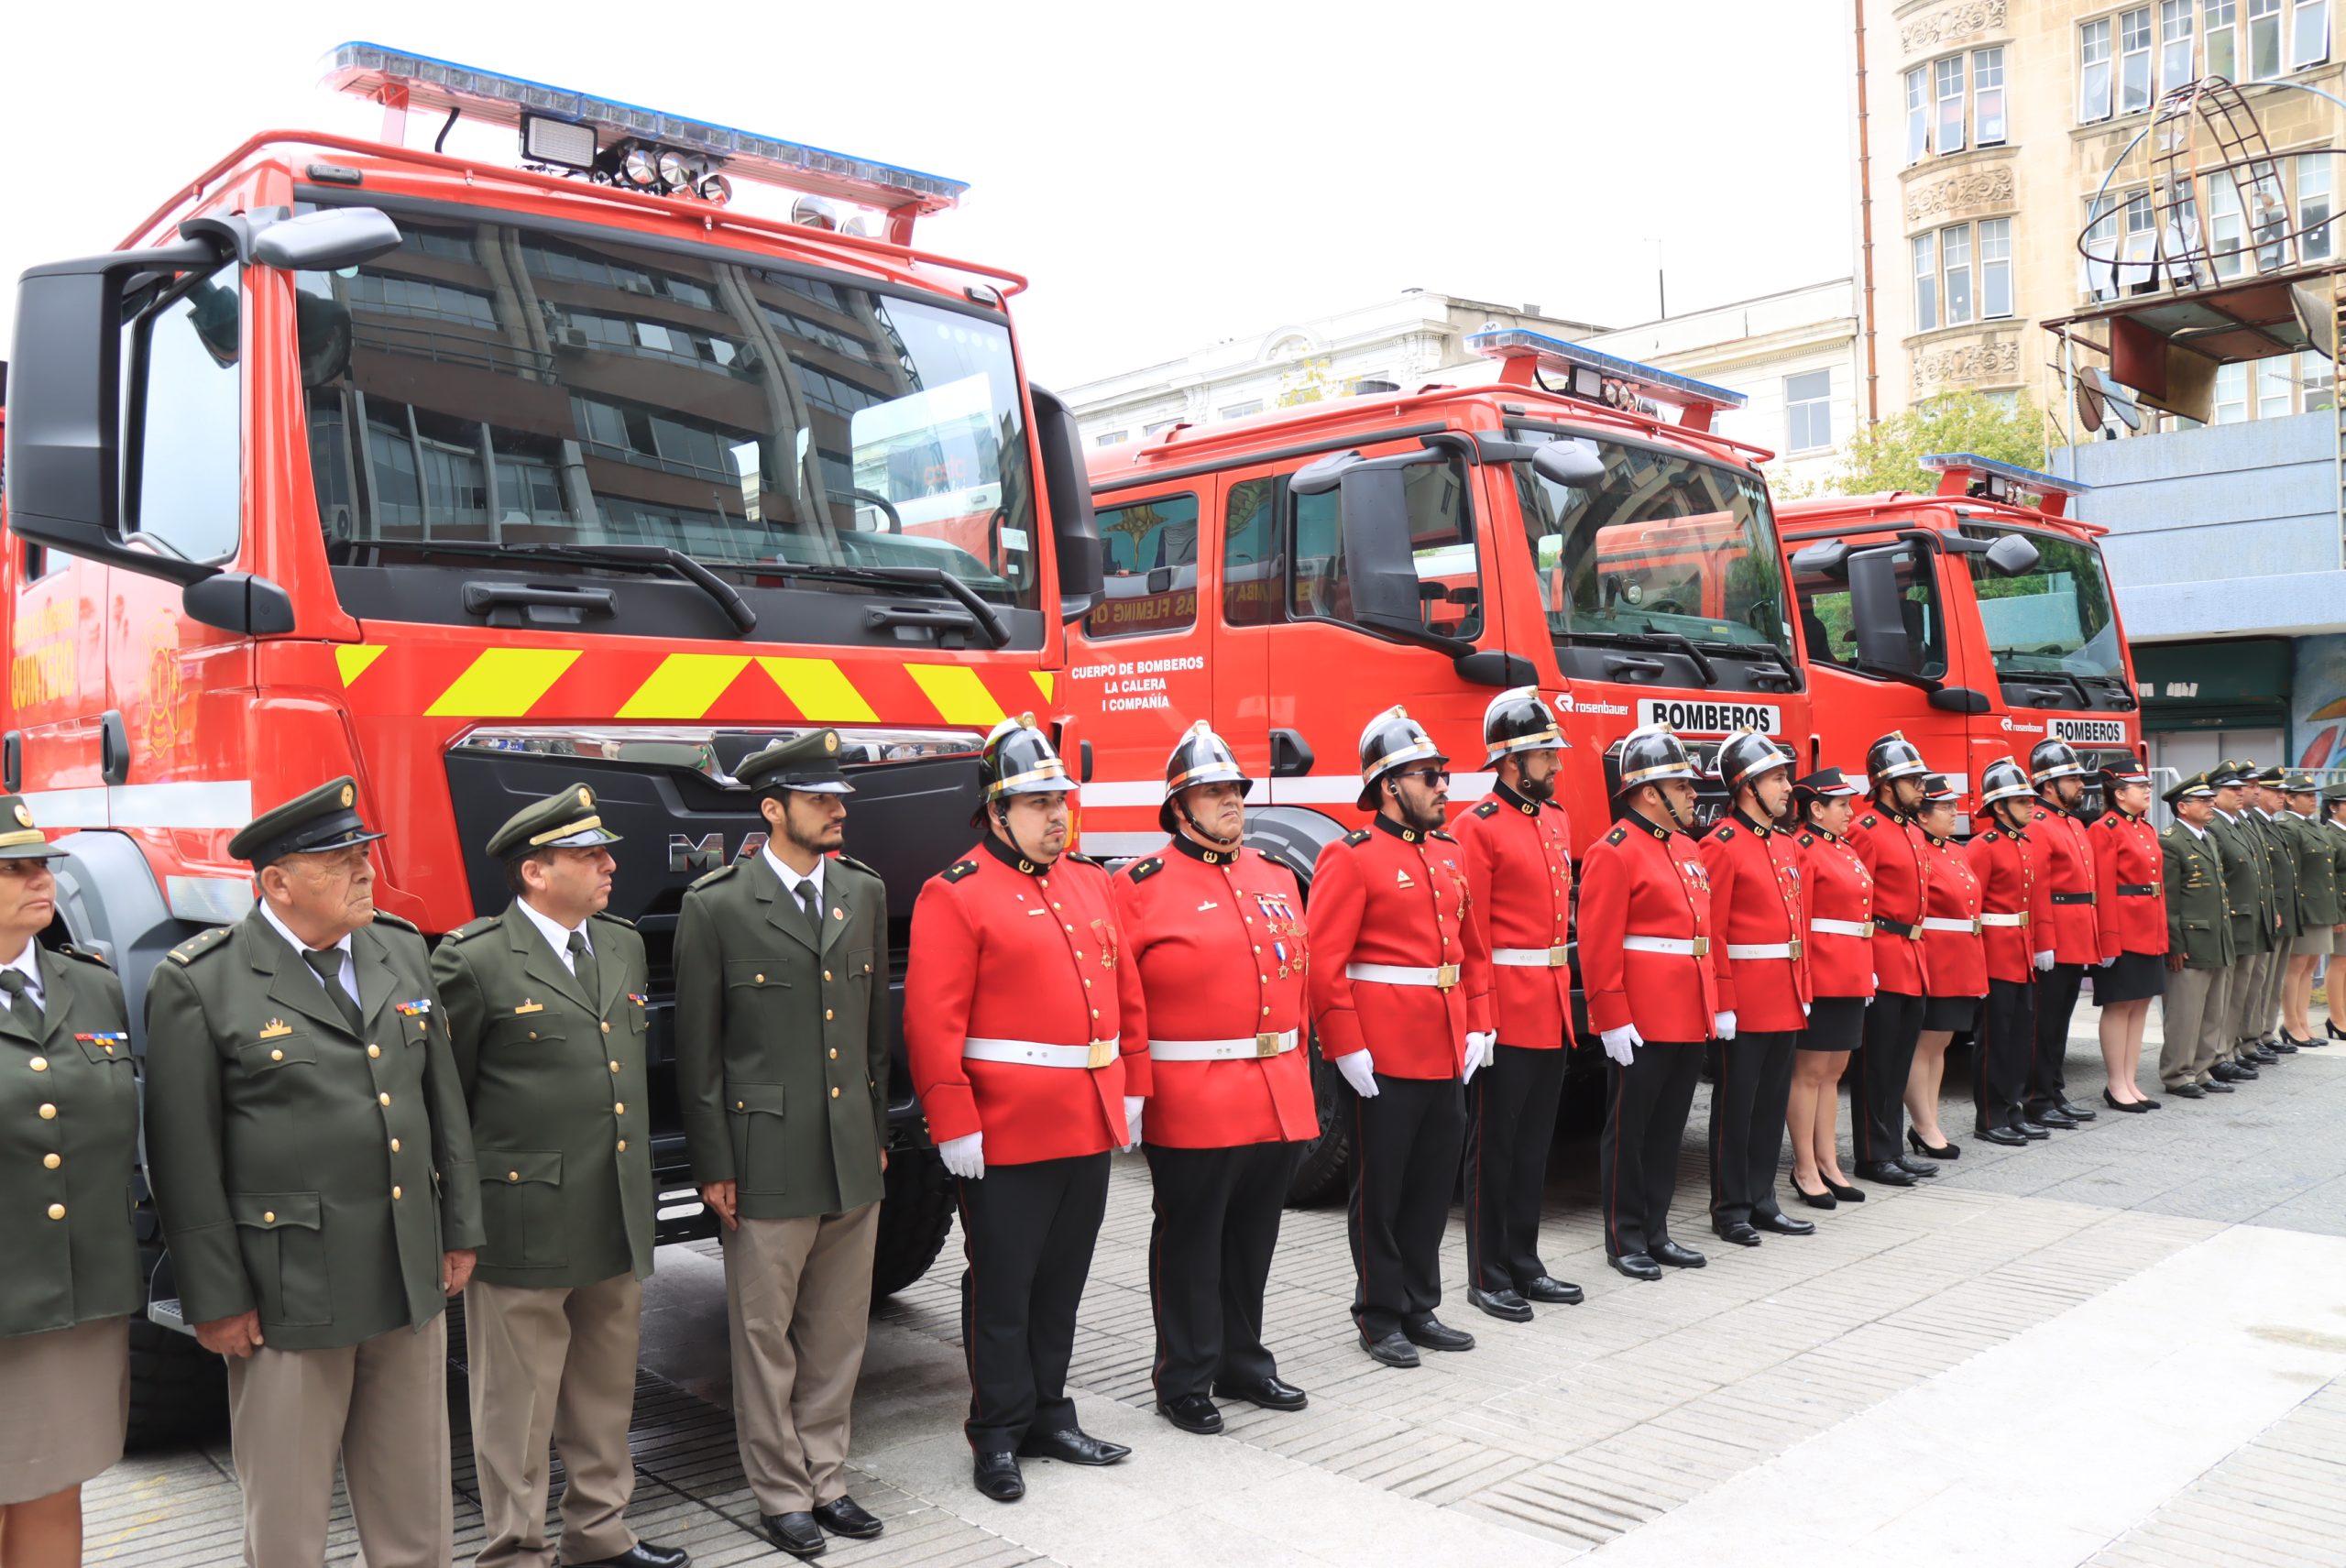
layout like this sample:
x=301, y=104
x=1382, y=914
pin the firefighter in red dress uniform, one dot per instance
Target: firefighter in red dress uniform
x=2129, y=909
x=1646, y=932
x=2015, y=914
x=2075, y=928
x=1897, y=853
x=1212, y=935
x=1400, y=994
x=1010, y=1016
x=1517, y=847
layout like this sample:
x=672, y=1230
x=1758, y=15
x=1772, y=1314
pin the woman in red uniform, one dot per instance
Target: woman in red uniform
x=1838, y=892
x=1955, y=968
x=2127, y=863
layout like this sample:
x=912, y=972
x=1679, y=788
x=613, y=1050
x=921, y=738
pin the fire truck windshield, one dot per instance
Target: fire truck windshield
x=2054, y=621
x=491, y=385
x=1666, y=545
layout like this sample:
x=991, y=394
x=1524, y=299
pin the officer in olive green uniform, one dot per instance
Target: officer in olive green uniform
x=545, y=1007
x=307, y=1143
x=782, y=1070
x=69, y=1144
x=2247, y=887
x=2199, y=941
x=2268, y=814
x=2318, y=907
x=2333, y=828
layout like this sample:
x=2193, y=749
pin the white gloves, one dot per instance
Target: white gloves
x=1133, y=1106
x=1481, y=1047
x=964, y=1158
x=1723, y=1025
x=2045, y=963
x=1805, y=1010
x=1622, y=1044
x=1360, y=1072
x=2107, y=963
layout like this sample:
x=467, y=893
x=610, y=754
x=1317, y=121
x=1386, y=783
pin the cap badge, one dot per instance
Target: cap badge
x=349, y=794
x=24, y=815
x=585, y=797
x=830, y=739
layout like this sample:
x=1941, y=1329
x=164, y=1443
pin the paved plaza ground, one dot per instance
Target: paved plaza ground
x=2126, y=1347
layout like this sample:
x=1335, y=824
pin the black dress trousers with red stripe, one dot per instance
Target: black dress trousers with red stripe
x=1028, y=1231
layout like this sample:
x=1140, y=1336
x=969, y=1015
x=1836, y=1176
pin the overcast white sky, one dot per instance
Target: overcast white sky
x=1168, y=175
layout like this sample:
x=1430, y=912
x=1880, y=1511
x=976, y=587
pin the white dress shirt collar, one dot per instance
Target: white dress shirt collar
x=349, y=963
x=556, y=934
x=791, y=879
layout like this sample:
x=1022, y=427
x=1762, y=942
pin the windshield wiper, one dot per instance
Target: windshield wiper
x=1672, y=640
x=627, y=557
x=987, y=620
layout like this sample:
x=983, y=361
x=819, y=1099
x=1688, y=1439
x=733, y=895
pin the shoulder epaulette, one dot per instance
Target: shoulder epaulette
x=84, y=954
x=1726, y=832
x=1488, y=808
x=1868, y=821
x=471, y=929
x=1806, y=839
x=1616, y=836
x=615, y=919
x=1140, y=870
x=1445, y=838
x=1083, y=860
x=383, y=917
x=1357, y=835
x=1991, y=836
x=2111, y=820
x=195, y=947
x=958, y=869
x=852, y=862
x=718, y=875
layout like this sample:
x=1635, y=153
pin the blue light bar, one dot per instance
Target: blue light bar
x=372, y=70
x=2027, y=478
x=1565, y=358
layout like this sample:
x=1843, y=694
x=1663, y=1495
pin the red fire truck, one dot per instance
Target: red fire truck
x=475, y=480
x=1979, y=620
x=1289, y=575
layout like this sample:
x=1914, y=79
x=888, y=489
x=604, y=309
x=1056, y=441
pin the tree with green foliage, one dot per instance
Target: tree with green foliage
x=1888, y=455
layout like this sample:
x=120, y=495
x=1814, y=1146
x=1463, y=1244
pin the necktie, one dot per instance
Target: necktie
x=809, y=902
x=582, y=964
x=327, y=961
x=21, y=1002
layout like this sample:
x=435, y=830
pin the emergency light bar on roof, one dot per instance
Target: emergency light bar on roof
x=1601, y=377
x=671, y=153
x=1967, y=474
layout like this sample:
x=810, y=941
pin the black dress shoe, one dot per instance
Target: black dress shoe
x=997, y=1476
x=2335, y=1032
x=1814, y=1200
x=2245, y=1073
x=2053, y=1116
x=1675, y=1256
x=2035, y=1132
x=1636, y=1265
x=1785, y=1224
x=796, y=1533
x=1393, y=1350
x=1554, y=1292
x=1949, y=1150
x=2217, y=1086
x=2263, y=1056
x=2188, y=1091
x=844, y=1516
x=2008, y=1136
x=2231, y=1072
x=1742, y=1233
x=1071, y=1446
x=1504, y=1304
x=643, y=1554
x=1192, y=1412
x=1913, y=1167
x=1430, y=1333
x=1845, y=1194
x=1270, y=1394
x=2075, y=1111
x=2131, y=1107
x=1885, y=1173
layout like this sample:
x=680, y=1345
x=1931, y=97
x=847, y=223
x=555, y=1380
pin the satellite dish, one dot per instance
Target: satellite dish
x=2118, y=400
x=2093, y=408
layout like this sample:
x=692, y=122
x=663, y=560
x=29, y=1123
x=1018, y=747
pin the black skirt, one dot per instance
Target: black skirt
x=1955, y=1013
x=1835, y=1024
x=2133, y=977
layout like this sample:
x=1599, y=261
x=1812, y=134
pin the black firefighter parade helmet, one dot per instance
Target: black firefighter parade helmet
x=1018, y=759
x=2050, y=759
x=1202, y=757
x=1747, y=755
x=1393, y=740
x=1517, y=721
x=1651, y=754
x=1894, y=757
x=2003, y=780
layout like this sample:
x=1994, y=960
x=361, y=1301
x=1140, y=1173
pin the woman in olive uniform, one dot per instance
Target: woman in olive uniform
x=69, y=1138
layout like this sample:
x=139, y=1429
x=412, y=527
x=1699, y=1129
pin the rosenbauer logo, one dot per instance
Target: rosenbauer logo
x=1711, y=718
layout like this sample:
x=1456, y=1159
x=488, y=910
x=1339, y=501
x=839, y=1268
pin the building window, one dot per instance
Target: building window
x=2098, y=266
x=2318, y=374
x=2314, y=242
x=1158, y=428
x=1926, y=282
x=2264, y=39
x=2226, y=224
x=2275, y=387
x=1241, y=411
x=2268, y=217
x=2219, y=19
x=2135, y=60
x=1995, y=267
x=1950, y=95
x=1111, y=438
x=1808, y=411
x=2309, y=33
x=2174, y=43
x=2232, y=393
x=1988, y=96
x=1918, y=114
x=2142, y=233
x=2093, y=71
x=1954, y=262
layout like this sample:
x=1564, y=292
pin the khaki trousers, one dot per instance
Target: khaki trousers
x=2216, y=1025
x=553, y=1364
x=2183, y=1020
x=797, y=1305
x=382, y=1406
x=2249, y=977
x=2276, y=981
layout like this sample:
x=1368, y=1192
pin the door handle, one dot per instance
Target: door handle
x=1291, y=754
x=113, y=747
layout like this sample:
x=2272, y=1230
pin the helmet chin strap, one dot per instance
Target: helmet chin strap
x=1670, y=805
x=1002, y=815
x=1181, y=804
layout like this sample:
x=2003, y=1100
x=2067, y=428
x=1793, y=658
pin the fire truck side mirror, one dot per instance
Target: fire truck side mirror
x=1573, y=463
x=1826, y=559
x=327, y=240
x=1374, y=517
x=1075, y=527
x=2012, y=557
x=1876, y=614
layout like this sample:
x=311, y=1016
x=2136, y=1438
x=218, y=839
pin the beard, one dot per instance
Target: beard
x=1539, y=791
x=824, y=839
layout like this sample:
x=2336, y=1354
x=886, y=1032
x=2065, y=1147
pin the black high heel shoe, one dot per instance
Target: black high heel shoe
x=1952, y=1151
x=2133, y=1107
x=1814, y=1199
x=1844, y=1194
x=2335, y=1032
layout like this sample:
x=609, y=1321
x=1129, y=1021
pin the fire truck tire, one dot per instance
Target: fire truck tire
x=179, y=1390
x=915, y=1216
x=1322, y=1175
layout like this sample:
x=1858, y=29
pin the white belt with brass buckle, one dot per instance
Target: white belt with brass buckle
x=1530, y=957
x=1942, y=923
x=1843, y=927
x=1444, y=977
x=1033, y=1053
x=1678, y=947
x=1253, y=1047
x=2018, y=917
x=1764, y=949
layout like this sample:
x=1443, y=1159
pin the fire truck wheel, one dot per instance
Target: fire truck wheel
x=1322, y=1174
x=915, y=1216
x=178, y=1389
